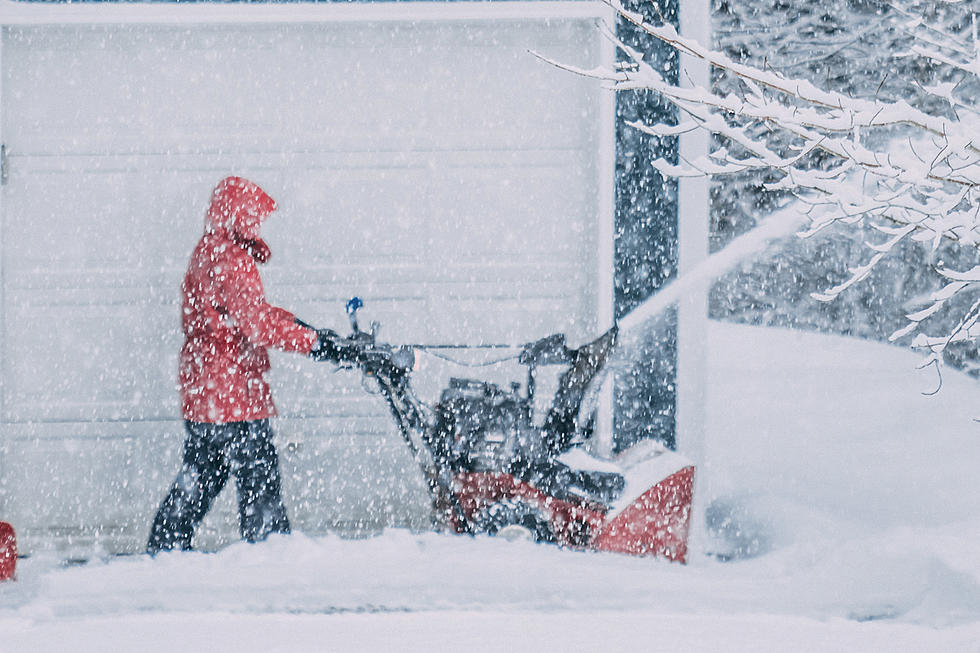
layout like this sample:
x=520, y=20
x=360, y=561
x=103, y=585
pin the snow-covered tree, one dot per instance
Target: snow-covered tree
x=895, y=168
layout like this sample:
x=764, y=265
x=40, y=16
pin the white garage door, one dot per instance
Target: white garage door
x=431, y=166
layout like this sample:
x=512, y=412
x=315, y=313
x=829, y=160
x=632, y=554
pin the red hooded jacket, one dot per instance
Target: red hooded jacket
x=227, y=322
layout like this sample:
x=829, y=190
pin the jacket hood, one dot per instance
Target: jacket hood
x=238, y=208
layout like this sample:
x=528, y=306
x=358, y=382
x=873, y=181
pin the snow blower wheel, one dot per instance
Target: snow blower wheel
x=514, y=521
x=516, y=533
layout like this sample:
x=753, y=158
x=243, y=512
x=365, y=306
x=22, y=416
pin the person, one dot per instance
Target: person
x=226, y=403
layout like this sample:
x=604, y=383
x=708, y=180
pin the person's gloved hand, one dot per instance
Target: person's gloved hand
x=325, y=348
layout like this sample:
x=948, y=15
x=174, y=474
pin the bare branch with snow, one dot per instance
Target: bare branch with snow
x=923, y=185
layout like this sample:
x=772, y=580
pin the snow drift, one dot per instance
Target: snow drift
x=838, y=496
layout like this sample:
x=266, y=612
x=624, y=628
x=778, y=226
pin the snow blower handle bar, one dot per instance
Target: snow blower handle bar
x=362, y=350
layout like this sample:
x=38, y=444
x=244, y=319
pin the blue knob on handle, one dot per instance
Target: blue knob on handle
x=353, y=304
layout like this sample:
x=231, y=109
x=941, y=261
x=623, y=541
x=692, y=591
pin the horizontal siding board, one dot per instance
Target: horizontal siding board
x=370, y=87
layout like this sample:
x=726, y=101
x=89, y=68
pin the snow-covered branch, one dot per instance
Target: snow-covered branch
x=911, y=172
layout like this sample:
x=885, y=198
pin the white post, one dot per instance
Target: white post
x=3, y=283
x=607, y=217
x=692, y=233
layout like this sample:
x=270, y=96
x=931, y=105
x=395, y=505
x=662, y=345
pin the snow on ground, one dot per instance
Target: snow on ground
x=845, y=516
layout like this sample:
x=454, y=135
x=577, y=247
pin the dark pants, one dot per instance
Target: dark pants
x=211, y=453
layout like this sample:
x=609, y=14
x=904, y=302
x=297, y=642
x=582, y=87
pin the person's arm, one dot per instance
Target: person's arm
x=263, y=324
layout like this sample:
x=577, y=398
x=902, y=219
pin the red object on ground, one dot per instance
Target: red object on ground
x=657, y=523
x=8, y=551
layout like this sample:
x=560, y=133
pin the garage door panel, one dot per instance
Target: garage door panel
x=355, y=476
x=135, y=220
x=74, y=222
x=525, y=303
x=101, y=215
x=109, y=506
x=71, y=356
x=105, y=499
x=364, y=214
x=90, y=361
x=495, y=212
x=418, y=85
x=95, y=360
